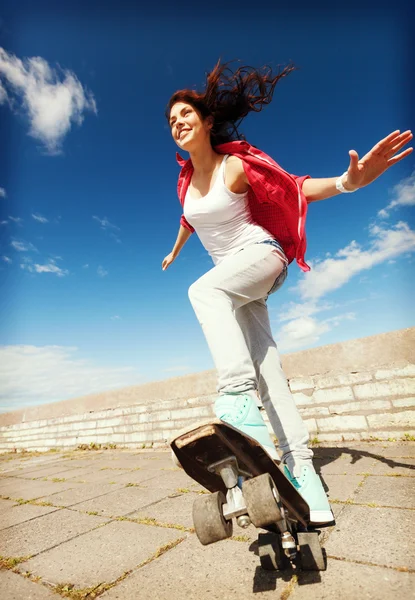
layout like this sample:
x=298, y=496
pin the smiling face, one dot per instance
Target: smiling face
x=188, y=129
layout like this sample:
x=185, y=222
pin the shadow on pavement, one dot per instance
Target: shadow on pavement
x=327, y=455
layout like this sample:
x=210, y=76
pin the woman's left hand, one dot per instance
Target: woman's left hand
x=376, y=161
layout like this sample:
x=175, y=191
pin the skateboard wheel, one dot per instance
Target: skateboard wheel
x=311, y=554
x=271, y=553
x=262, y=500
x=210, y=524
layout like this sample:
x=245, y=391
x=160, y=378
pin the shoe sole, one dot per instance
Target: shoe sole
x=321, y=517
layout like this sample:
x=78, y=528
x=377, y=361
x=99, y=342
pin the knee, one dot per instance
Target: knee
x=201, y=293
x=194, y=291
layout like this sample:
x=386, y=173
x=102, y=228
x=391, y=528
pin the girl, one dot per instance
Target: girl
x=250, y=216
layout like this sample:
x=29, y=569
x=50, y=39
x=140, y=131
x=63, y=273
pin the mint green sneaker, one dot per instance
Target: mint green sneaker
x=241, y=411
x=310, y=487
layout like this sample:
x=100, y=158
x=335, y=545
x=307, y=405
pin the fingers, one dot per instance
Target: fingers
x=393, y=139
x=403, y=139
x=387, y=140
x=354, y=160
x=399, y=157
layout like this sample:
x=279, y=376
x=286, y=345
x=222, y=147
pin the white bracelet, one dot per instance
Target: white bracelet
x=340, y=187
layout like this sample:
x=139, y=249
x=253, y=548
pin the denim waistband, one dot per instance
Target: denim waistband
x=276, y=245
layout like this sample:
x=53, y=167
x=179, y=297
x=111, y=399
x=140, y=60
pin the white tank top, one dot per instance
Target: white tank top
x=222, y=219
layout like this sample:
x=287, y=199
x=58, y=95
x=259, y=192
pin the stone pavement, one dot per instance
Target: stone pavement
x=117, y=524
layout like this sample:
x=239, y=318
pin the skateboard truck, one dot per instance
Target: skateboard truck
x=233, y=477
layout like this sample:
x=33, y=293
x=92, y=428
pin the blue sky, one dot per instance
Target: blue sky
x=88, y=204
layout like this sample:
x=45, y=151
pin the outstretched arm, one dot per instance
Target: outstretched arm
x=182, y=238
x=362, y=172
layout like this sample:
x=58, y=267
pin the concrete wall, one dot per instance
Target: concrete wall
x=359, y=389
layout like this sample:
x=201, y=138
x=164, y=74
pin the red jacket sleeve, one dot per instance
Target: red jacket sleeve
x=185, y=224
x=300, y=180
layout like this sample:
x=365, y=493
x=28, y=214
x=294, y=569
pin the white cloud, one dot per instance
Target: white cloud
x=35, y=375
x=332, y=273
x=3, y=222
x=2, y=190
x=39, y=218
x=105, y=223
x=22, y=246
x=295, y=310
x=102, y=272
x=116, y=318
x=302, y=329
x=52, y=100
x=86, y=266
x=17, y=220
x=6, y=259
x=50, y=267
x=108, y=227
x=404, y=195
x=305, y=331
x=3, y=94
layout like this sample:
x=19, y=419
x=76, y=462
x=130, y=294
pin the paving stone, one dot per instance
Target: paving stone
x=34, y=536
x=122, y=501
x=121, y=477
x=73, y=553
x=336, y=509
x=342, y=487
x=176, y=510
x=37, y=472
x=345, y=464
x=402, y=449
x=67, y=473
x=81, y=493
x=5, y=481
x=388, y=491
x=222, y=571
x=115, y=465
x=33, y=464
x=81, y=463
x=382, y=536
x=12, y=514
x=395, y=466
x=170, y=480
x=351, y=581
x=28, y=490
x=102, y=555
x=17, y=587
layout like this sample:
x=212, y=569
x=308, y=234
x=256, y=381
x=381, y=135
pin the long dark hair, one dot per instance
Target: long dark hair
x=229, y=96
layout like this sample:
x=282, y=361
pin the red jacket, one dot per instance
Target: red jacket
x=276, y=199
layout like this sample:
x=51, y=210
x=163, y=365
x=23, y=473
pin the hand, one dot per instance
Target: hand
x=376, y=161
x=167, y=261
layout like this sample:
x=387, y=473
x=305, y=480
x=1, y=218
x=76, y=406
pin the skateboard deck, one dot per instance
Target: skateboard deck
x=205, y=444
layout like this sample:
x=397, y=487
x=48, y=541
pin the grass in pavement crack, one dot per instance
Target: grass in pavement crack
x=371, y=564
x=33, y=502
x=368, y=504
x=68, y=590
x=154, y=523
x=240, y=538
x=10, y=562
x=290, y=587
x=160, y=551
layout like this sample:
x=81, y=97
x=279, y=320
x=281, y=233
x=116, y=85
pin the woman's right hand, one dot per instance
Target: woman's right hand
x=168, y=260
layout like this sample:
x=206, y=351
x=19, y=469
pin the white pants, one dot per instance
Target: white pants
x=230, y=304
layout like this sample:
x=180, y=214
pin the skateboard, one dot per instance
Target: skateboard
x=246, y=485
